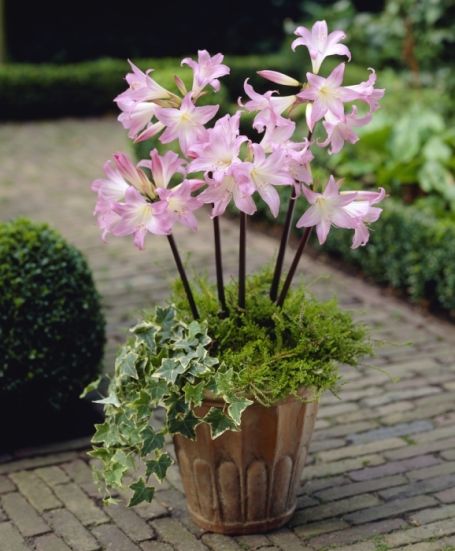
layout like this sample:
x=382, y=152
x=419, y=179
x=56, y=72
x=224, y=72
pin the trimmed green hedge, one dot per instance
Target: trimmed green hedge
x=80, y=89
x=410, y=249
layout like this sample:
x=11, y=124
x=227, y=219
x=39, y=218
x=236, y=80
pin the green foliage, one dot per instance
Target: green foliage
x=166, y=362
x=51, y=325
x=271, y=353
x=264, y=353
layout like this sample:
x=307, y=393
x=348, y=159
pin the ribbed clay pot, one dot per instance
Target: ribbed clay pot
x=246, y=482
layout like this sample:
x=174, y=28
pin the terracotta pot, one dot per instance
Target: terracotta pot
x=246, y=482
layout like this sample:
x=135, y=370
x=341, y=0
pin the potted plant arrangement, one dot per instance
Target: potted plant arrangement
x=239, y=367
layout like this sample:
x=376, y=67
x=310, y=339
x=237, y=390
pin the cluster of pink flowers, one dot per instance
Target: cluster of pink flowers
x=217, y=164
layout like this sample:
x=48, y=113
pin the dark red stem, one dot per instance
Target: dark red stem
x=219, y=266
x=183, y=277
x=242, y=260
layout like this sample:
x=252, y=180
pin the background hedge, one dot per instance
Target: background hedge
x=88, y=88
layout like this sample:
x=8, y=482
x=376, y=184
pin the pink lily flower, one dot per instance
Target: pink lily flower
x=181, y=204
x=366, y=92
x=141, y=87
x=164, y=167
x=265, y=172
x=320, y=44
x=279, y=78
x=137, y=117
x=340, y=131
x=363, y=211
x=186, y=123
x=233, y=186
x=134, y=175
x=110, y=190
x=220, y=148
x=277, y=136
x=270, y=107
x=327, y=209
x=138, y=217
x=206, y=71
x=299, y=157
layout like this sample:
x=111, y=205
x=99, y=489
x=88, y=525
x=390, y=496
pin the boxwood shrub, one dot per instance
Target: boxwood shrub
x=51, y=324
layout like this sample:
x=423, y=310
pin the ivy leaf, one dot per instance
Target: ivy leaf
x=236, y=408
x=111, y=399
x=194, y=393
x=152, y=440
x=223, y=381
x=146, y=332
x=125, y=363
x=184, y=425
x=91, y=387
x=157, y=390
x=141, y=493
x=169, y=370
x=159, y=466
x=219, y=422
x=105, y=433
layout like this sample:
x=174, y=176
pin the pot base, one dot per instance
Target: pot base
x=242, y=528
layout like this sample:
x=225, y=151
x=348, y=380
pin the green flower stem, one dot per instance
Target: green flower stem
x=219, y=266
x=293, y=268
x=242, y=260
x=183, y=277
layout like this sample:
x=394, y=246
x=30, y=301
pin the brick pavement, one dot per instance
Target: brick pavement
x=381, y=473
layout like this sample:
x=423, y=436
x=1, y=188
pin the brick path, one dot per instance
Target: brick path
x=381, y=473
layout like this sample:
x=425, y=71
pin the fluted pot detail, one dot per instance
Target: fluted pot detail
x=246, y=482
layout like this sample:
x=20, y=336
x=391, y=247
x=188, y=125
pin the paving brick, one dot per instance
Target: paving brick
x=286, y=540
x=337, y=467
x=218, y=542
x=10, y=538
x=443, y=544
x=23, y=515
x=34, y=462
x=66, y=525
x=448, y=454
x=350, y=430
x=419, y=412
x=391, y=509
x=156, y=546
x=337, y=409
x=362, y=449
x=131, y=523
x=52, y=475
x=435, y=434
x=6, y=485
x=362, y=546
x=304, y=501
x=358, y=533
x=420, y=487
x=415, y=535
x=447, y=496
x=400, y=395
x=253, y=541
x=389, y=432
x=79, y=504
x=421, y=449
x=326, y=444
x=50, y=542
x=79, y=471
x=171, y=531
x=307, y=531
x=150, y=511
x=335, y=508
x=113, y=539
x=35, y=490
x=356, y=488
x=394, y=467
x=435, y=513
x=436, y=470
x=310, y=487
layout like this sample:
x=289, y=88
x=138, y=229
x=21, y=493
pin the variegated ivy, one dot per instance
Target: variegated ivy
x=165, y=363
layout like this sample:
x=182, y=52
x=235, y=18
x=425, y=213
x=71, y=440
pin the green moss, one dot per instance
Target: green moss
x=273, y=352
